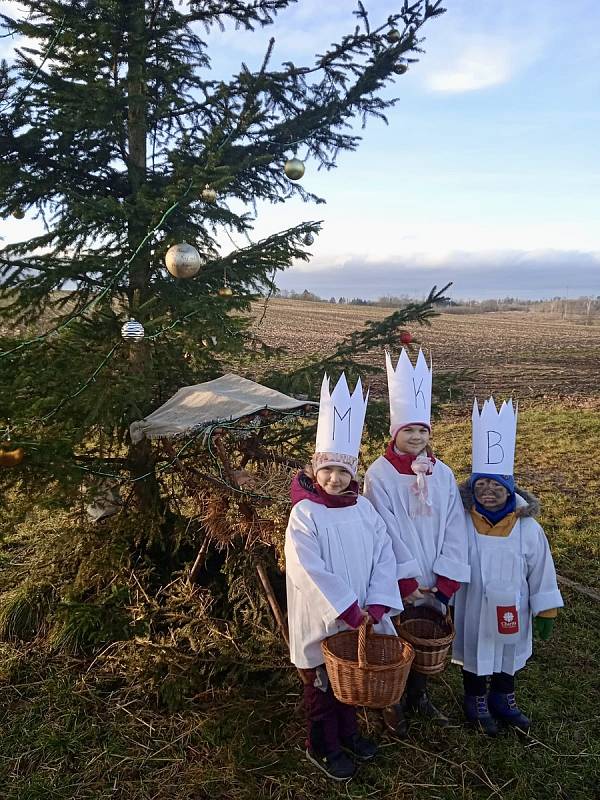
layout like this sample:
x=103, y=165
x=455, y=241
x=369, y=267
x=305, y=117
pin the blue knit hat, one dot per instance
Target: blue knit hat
x=507, y=481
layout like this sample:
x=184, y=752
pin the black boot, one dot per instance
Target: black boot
x=418, y=702
x=395, y=720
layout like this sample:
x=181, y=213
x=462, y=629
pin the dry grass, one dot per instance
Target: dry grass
x=190, y=702
x=192, y=709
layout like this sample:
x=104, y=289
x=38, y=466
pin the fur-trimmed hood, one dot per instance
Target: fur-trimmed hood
x=527, y=504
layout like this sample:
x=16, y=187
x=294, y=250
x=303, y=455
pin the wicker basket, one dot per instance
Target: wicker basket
x=366, y=668
x=430, y=633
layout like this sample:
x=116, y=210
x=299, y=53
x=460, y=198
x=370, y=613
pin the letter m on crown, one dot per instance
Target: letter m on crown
x=341, y=417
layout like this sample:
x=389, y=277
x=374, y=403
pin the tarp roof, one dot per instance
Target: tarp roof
x=227, y=398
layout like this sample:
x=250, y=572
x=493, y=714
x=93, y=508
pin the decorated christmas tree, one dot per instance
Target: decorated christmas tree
x=144, y=168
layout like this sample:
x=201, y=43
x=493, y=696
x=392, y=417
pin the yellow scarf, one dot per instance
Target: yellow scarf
x=487, y=528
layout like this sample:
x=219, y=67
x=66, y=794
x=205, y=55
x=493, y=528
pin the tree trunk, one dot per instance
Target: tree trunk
x=140, y=455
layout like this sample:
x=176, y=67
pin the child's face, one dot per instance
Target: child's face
x=412, y=439
x=334, y=480
x=491, y=494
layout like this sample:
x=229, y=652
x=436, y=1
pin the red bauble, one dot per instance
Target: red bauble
x=406, y=337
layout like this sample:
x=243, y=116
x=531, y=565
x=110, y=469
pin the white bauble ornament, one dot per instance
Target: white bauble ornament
x=183, y=260
x=209, y=195
x=132, y=331
x=309, y=239
x=294, y=169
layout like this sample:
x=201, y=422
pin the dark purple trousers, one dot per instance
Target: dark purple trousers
x=328, y=721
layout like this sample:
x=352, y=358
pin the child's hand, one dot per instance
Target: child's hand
x=542, y=627
x=367, y=617
x=418, y=594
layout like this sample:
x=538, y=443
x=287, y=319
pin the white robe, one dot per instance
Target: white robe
x=424, y=546
x=520, y=562
x=334, y=557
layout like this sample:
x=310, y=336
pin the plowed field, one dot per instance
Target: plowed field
x=528, y=354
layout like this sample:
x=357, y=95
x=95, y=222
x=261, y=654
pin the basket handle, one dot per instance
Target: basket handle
x=365, y=627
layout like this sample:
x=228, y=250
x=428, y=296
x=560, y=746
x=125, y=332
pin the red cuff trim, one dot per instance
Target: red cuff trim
x=447, y=586
x=407, y=586
x=352, y=615
x=377, y=611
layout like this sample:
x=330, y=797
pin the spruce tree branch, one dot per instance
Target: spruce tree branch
x=16, y=102
x=347, y=354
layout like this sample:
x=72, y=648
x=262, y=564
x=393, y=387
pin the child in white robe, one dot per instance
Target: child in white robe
x=513, y=578
x=340, y=569
x=417, y=496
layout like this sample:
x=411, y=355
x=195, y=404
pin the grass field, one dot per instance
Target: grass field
x=73, y=729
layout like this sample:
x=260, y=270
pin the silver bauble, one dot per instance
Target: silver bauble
x=183, y=260
x=209, y=195
x=132, y=331
x=309, y=239
x=294, y=169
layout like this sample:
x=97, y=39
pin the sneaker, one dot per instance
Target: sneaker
x=361, y=748
x=337, y=765
x=420, y=703
x=478, y=714
x=505, y=709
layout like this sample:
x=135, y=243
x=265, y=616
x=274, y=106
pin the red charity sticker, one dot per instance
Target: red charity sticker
x=508, y=619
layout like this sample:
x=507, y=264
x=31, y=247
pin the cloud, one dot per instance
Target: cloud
x=478, y=46
x=525, y=274
x=480, y=64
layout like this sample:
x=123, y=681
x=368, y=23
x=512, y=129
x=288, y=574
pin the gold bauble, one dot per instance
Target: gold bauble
x=400, y=69
x=183, y=260
x=18, y=213
x=209, y=195
x=225, y=291
x=294, y=169
x=393, y=35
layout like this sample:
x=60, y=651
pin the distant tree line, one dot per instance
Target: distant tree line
x=586, y=307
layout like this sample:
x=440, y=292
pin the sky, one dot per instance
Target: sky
x=487, y=174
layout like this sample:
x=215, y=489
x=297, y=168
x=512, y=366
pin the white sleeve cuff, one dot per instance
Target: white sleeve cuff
x=455, y=570
x=391, y=601
x=344, y=603
x=408, y=569
x=542, y=601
